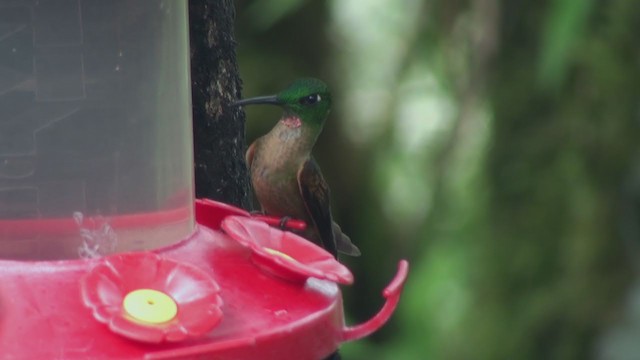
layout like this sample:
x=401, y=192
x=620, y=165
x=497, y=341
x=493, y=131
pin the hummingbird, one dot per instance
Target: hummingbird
x=286, y=179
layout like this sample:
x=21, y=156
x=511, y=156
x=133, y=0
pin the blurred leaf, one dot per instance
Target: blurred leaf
x=266, y=13
x=564, y=28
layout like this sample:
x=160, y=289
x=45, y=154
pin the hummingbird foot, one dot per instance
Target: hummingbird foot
x=283, y=222
x=256, y=212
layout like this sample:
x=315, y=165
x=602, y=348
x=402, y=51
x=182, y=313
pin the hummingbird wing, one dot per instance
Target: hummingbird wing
x=343, y=242
x=315, y=195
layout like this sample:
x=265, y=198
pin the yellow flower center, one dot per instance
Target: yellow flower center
x=150, y=306
x=278, y=253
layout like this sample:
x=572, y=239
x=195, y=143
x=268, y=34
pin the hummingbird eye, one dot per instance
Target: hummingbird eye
x=310, y=100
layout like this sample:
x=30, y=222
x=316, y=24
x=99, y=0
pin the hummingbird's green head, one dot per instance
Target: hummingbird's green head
x=308, y=99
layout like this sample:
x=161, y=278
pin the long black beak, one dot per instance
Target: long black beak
x=272, y=99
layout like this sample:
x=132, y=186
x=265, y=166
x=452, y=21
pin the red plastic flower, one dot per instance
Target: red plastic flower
x=148, y=298
x=285, y=254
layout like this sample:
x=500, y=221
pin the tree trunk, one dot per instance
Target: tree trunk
x=218, y=128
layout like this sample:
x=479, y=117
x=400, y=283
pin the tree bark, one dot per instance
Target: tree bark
x=218, y=128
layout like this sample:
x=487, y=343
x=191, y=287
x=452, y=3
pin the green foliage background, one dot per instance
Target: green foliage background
x=494, y=144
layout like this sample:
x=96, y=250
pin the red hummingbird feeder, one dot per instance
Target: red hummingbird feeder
x=104, y=252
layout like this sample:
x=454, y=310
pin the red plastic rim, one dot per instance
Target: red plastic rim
x=392, y=295
x=211, y=213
